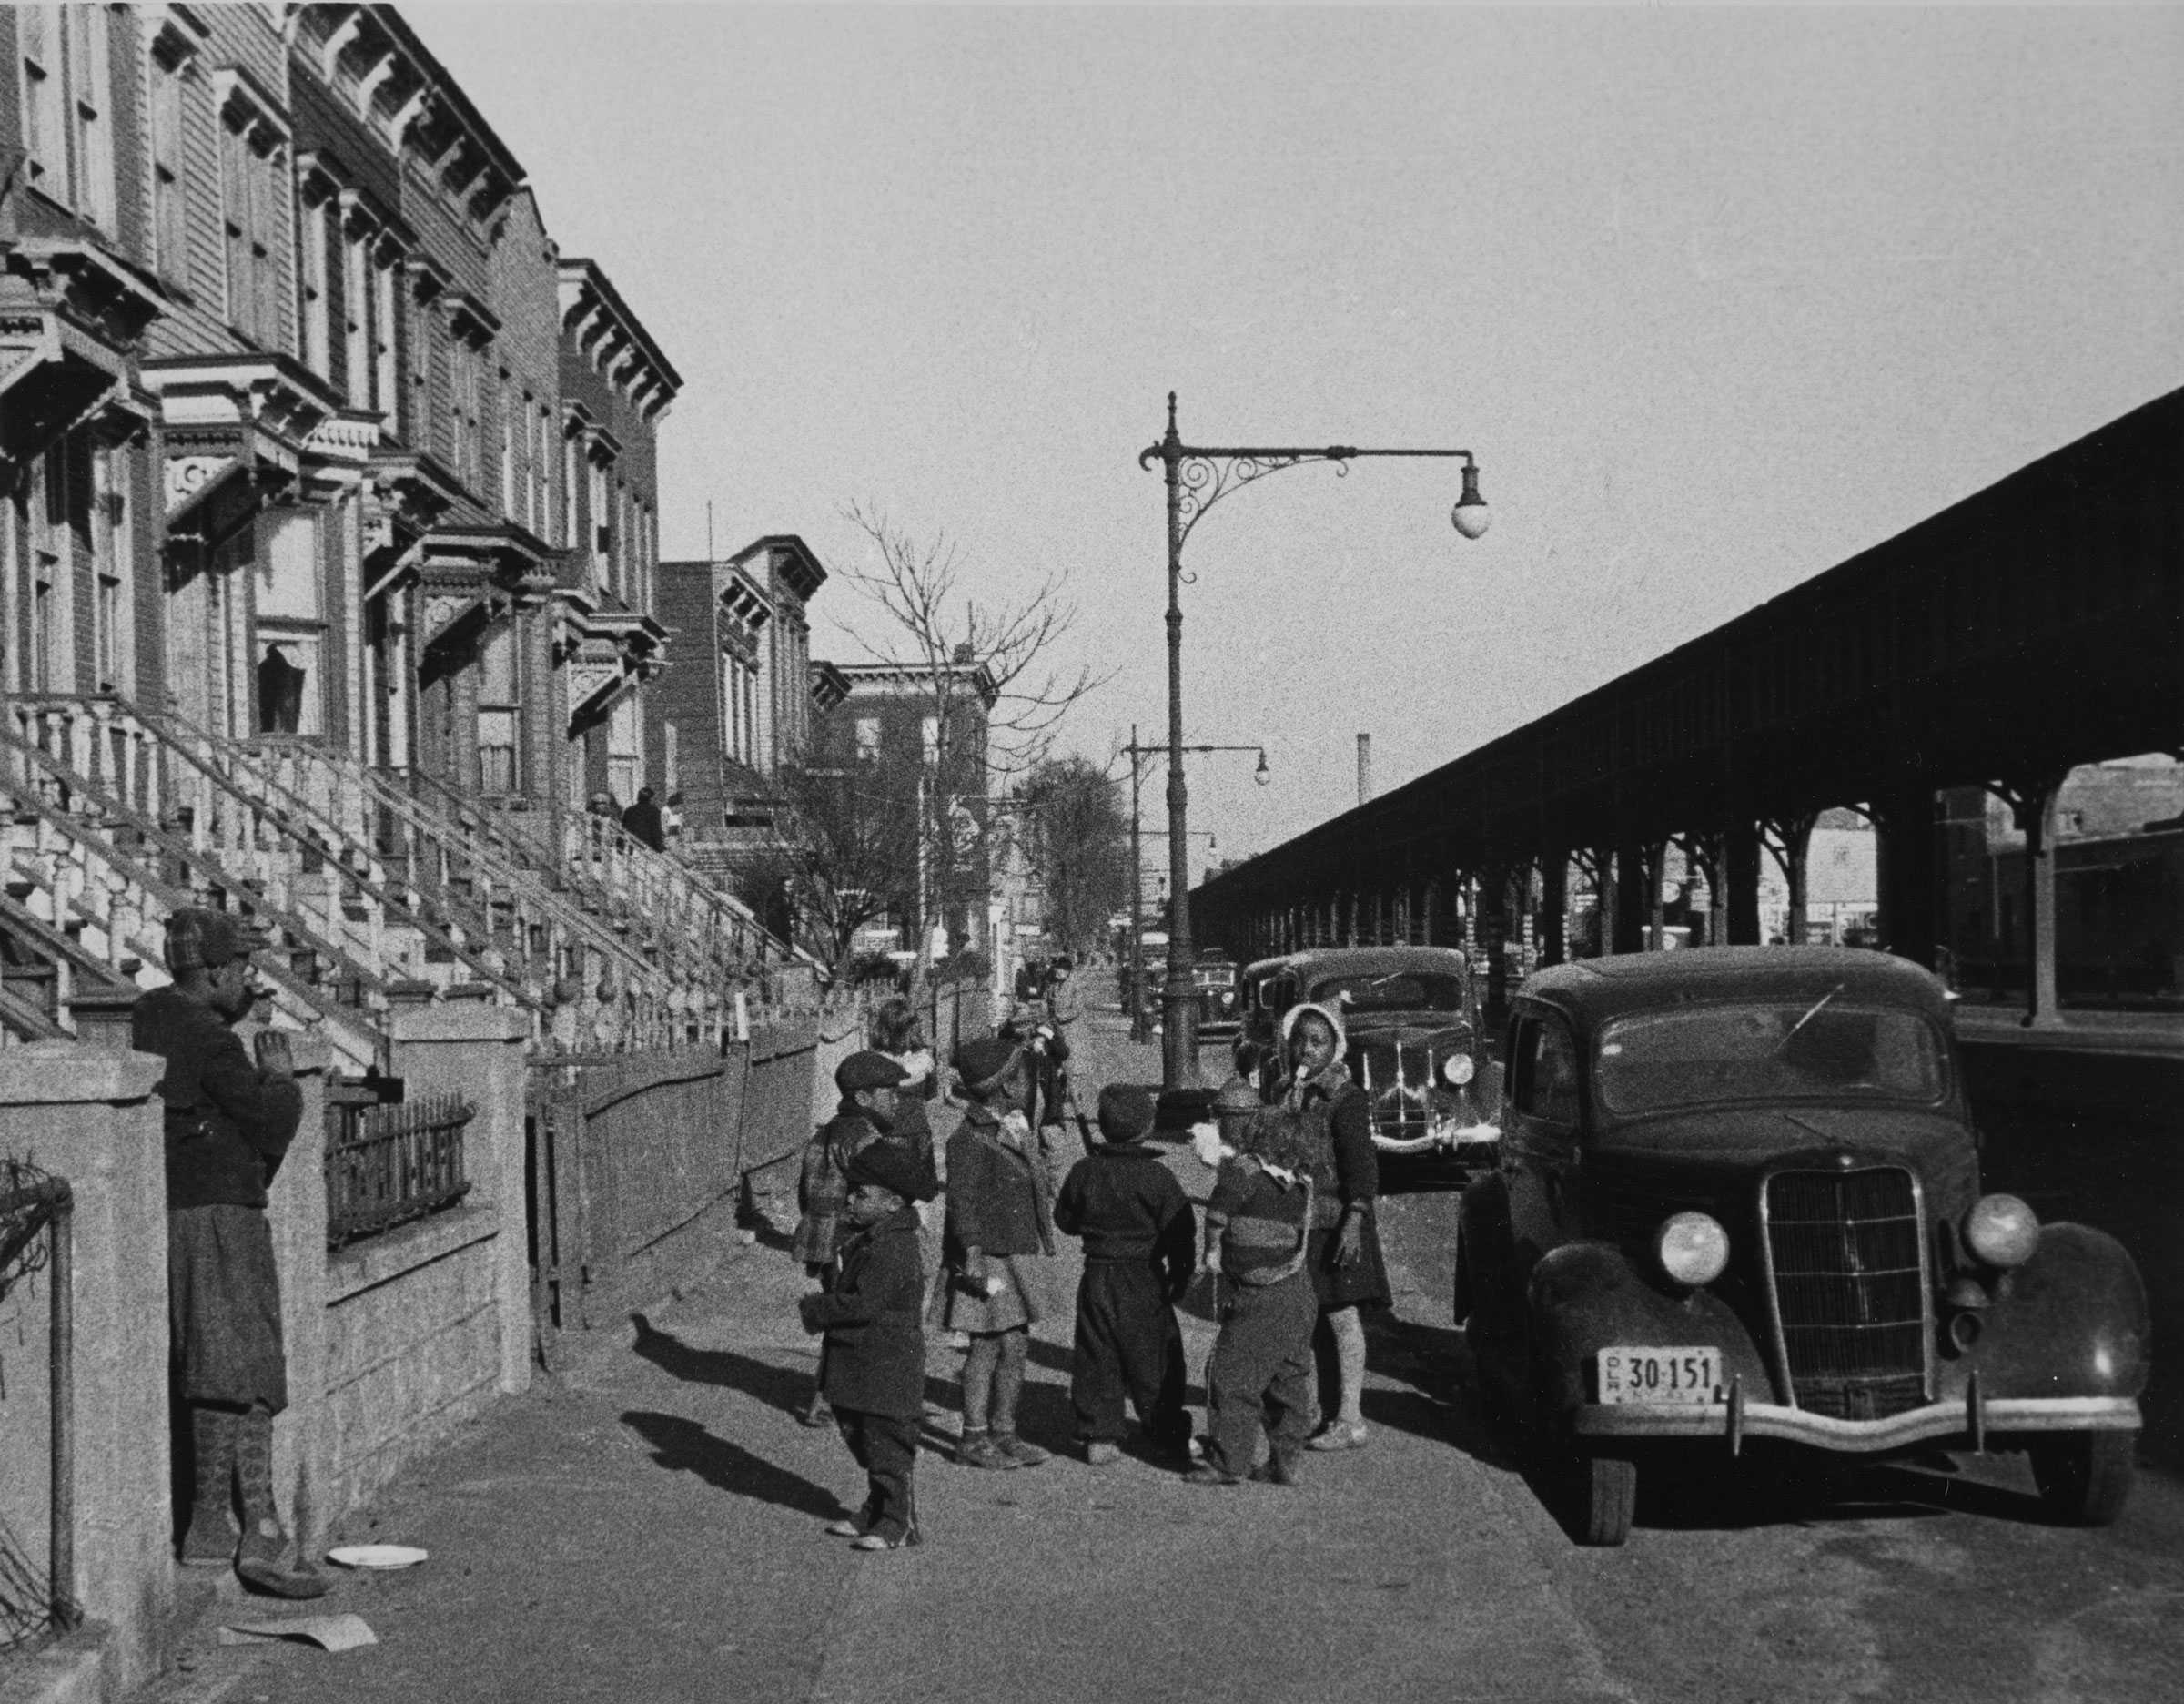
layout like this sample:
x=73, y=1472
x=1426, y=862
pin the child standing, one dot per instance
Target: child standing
x=1139, y=1237
x=874, y=1357
x=1259, y=1223
x=1000, y=1222
x=868, y=1083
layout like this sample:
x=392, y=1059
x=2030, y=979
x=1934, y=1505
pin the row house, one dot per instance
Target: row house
x=329, y=509
x=739, y=703
x=906, y=738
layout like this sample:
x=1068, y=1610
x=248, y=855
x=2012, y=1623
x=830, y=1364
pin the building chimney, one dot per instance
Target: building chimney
x=1364, y=768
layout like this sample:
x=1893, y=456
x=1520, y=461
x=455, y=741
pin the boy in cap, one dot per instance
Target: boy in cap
x=228, y=1121
x=867, y=1082
x=873, y=1361
x=1000, y=1220
x=1139, y=1239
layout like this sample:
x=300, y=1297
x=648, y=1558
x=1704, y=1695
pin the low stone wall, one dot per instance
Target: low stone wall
x=87, y=1116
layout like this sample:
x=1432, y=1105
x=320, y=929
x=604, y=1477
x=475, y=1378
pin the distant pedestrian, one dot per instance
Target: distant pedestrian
x=875, y=1348
x=1140, y=1243
x=1259, y=1223
x=228, y=1123
x=1065, y=1009
x=1000, y=1228
x=644, y=822
x=900, y=1033
x=867, y=1082
x=1031, y=1027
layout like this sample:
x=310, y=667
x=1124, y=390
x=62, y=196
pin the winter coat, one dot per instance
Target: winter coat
x=997, y=1193
x=228, y=1122
x=1128, y=1207
x=876, y=1339
x=822, y=1190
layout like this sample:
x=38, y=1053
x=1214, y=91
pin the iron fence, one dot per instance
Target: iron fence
x=386, y=1165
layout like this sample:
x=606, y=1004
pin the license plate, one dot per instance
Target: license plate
x=1660, y=1376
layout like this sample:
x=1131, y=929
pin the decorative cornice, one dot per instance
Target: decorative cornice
x=602, y=324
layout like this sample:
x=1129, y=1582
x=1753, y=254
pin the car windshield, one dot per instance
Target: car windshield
x=1808, y=1050
x=1400, y=990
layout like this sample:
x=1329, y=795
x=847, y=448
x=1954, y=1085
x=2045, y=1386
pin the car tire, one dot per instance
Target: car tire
x=1607, y=1497
x=2084, y=1478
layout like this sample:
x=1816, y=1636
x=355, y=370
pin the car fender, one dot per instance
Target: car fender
x=1588, y=1296
x=2072, y=1320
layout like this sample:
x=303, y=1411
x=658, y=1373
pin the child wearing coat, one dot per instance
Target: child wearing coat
x=1138, y=1235
x=868, y=1082
x=874, y=1357
x=1000, y=1223
x=1259, y=1223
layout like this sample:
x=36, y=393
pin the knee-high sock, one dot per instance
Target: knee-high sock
x=212, y=1431
x=254, y=1471
x=1349, y=1328
x=1008, y=1379
x=978, y=1364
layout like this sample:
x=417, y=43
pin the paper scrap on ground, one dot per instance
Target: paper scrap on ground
x=329, y=1632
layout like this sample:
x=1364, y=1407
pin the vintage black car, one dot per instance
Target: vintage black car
x=1213, y=984
x=1739, y=1198
x=1415, y=1046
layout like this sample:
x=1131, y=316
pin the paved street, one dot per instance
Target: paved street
x=648, y=1528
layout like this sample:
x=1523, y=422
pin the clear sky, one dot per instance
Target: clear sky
x=1718, y=297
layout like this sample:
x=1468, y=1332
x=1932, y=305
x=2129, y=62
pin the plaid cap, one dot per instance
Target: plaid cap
x=199, y=940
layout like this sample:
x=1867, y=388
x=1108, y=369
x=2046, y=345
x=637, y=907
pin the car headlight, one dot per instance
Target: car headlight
x=1458, y=1069
x=2002, y=1230
x=1692, y=1248
x=1227, y=1000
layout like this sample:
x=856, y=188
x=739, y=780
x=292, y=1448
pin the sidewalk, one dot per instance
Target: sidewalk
x=2159, y=1035
x=647, y=1526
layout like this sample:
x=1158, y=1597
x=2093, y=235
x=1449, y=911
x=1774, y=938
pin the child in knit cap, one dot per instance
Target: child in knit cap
x=1139, y=1240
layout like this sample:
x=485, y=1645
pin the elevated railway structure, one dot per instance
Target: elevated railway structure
x=2033, y=627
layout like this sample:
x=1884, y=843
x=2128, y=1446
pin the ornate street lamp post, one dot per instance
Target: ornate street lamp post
x=1261, y=775
x=1196, y=479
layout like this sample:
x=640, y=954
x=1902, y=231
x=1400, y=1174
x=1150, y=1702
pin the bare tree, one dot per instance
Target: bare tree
x=972, y=648
x=844, y=852
x=996, y=691
x=1075, y=840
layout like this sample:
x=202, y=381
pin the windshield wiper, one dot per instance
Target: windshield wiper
x=1782, y=1045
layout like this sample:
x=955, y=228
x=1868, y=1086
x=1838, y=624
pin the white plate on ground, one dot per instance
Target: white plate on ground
x=377, y=1555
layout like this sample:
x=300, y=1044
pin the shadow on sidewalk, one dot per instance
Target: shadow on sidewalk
x=786, y=1388
x=685, y=1446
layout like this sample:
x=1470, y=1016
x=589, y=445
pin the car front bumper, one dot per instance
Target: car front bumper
x=1970, y=1422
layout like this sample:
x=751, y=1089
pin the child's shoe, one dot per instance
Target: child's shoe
x=1338, y=1436
x=1024, y=1454
x=979, y=1450
x=851, y=1526
x=885, y=1539
x=1100, y=1453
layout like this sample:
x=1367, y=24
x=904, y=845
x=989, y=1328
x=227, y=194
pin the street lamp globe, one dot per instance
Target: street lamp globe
x=1471, y=516
x=1262, y=774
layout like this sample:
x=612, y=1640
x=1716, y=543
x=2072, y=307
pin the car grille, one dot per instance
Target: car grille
x=1847, y=1255
x=1396, y=1079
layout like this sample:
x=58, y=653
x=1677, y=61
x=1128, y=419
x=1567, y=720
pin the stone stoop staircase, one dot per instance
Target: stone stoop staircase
x=609, y=974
